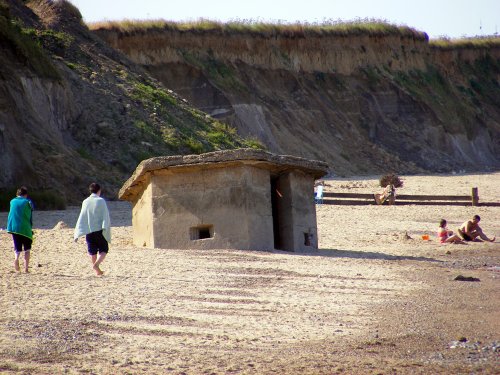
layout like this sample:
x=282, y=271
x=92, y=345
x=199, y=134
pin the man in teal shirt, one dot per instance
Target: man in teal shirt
x=20, y=225
x=95, y=225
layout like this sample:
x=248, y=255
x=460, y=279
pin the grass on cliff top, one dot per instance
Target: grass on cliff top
x=368, y=26
x=474, y=43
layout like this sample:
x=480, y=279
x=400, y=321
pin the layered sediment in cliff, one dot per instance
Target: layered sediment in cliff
x=364, y=102
x=302, y=52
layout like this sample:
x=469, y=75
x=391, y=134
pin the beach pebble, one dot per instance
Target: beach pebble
x=60, y=225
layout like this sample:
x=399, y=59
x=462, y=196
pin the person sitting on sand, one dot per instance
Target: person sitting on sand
x=447, y=236
x=95, y=224
x=389, y=194
x=471, y=231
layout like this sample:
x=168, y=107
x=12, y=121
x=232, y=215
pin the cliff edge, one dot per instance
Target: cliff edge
x=365, y=102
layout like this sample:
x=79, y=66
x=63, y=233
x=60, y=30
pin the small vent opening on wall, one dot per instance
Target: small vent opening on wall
x=201, y=232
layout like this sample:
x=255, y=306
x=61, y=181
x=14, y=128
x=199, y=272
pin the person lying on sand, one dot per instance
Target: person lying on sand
x=471, y=231
x=447, y=236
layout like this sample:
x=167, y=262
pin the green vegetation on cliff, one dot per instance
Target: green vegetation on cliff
x=201, y=134
x=332, y=27
x=471, y=43
x=458, y=105
x=20, y=41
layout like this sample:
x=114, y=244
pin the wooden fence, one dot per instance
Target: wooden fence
x=403, y=199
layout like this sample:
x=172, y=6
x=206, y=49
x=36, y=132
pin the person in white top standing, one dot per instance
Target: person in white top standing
x=94, y=223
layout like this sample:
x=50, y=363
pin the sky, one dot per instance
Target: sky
x=438, y=18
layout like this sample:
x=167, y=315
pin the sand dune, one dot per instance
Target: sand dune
x=375, y=298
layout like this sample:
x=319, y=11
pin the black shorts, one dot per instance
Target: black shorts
x=465, y=236
x=20, y=242
x=96, y=243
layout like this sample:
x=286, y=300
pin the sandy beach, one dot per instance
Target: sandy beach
x=374, y=299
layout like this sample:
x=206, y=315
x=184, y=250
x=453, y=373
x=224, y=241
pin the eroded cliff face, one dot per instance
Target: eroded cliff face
x=364, y=104
x=73, y=110
x=298, y=53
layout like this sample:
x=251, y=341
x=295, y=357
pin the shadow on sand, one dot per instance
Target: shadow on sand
x=356, y=254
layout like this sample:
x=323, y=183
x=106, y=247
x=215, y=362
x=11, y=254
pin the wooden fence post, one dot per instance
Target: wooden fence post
x=475, y=197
